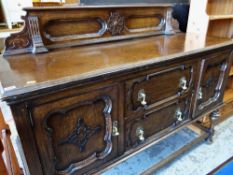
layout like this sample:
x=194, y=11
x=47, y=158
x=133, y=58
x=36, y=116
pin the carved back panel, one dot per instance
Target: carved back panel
x=49, y=27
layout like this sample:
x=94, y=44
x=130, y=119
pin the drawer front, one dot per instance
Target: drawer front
x=212, y=83
x=75, y=134
x=160, y=87
x=163, y=118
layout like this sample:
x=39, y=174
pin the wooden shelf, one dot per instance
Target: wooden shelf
x=228, y=95
x=218, y=17
x=214, y=18
x=227, y=109
x=41, y=4
x=231, y=71
x=219, y=7
x=221, y=28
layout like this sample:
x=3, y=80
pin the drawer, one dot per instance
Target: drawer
x=164, y=118
x=213, y=81
x=159, y=87
x=77, y=134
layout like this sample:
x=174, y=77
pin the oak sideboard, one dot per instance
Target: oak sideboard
x=81, y=104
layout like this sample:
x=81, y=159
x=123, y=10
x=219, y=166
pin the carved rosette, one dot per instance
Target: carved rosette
x=81, y=135
x=116, y=23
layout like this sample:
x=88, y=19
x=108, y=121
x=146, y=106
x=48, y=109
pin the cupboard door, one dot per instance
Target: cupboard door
x=212, y=82
x=75, y=134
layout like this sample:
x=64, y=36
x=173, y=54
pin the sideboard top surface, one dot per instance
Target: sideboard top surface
x=26, y=73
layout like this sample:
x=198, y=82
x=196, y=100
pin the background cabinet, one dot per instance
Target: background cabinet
x=214, y=18
x=211, y=17
x=13, y=10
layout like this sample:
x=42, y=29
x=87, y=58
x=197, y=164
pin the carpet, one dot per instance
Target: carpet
x=203, y=158
x=154, y=154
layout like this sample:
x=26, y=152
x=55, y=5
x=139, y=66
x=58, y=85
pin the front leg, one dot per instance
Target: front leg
x=213, y=117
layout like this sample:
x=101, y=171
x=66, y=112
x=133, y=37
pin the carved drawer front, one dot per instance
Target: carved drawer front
x=159, y=87
x=165, y=118
x=212, y=83
x=76, y=134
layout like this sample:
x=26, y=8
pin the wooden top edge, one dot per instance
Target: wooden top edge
x=9, y=96
x=79, y=6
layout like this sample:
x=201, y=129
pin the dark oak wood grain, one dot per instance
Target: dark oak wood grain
x=156, y=120
x=57, y=114
x=46, y=28
x=156, y=88
x=60, y=66
x=78, y=130
x=80, y=109
x=212, y=81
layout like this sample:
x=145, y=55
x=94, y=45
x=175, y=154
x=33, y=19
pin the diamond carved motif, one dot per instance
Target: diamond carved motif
x=80, y=135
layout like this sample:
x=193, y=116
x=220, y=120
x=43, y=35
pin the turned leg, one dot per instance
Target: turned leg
x=213, y=117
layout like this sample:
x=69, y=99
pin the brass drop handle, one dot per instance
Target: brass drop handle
x=199, y=93
x=179, y=115
x=142, y=97
x=115, y=131
x=140, y=134
x=183, y=83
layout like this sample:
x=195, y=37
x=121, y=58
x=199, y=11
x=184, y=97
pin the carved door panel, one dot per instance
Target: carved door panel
x=212, y=82
x=74, y=134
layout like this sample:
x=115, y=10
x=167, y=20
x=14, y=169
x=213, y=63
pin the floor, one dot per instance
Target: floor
x=154, y=154
x=204, y=158
x=200, y=160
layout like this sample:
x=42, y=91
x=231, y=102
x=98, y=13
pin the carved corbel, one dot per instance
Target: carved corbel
x=37, y=43
x=169, y=30
x=27, y=41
